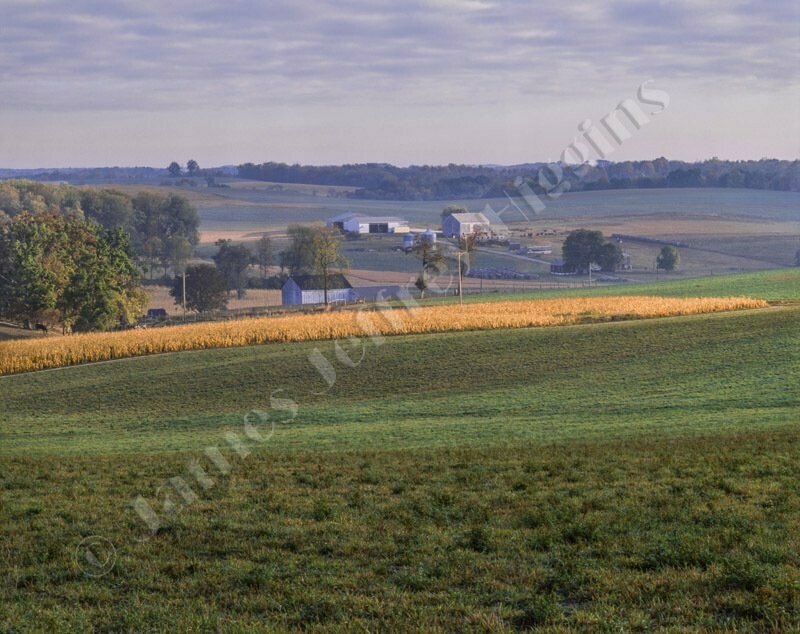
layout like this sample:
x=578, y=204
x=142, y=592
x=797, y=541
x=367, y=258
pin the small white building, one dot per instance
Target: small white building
x=310, y=289
x=456, y=225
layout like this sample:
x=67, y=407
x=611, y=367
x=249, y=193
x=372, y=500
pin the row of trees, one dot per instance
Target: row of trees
x=56, y=268
x=192, y=168
x=441, y=182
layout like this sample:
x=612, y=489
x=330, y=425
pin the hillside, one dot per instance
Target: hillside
x=677, y=375
x=636, y=473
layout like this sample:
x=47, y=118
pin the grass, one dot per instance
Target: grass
x=627, y=476
x=776, y=285
x=672, y=375
x=675, y=535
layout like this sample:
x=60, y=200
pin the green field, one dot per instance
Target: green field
x=621, y=476
x=778, y=285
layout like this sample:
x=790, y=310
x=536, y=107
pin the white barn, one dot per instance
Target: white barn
x=359, y=223
x=375, y=224
x=454, y=225
x=310, y=289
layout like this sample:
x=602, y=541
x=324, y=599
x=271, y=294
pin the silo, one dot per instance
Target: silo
x=428, y=236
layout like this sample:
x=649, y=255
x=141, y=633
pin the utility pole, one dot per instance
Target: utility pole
x=184, y=295
x=460, y=289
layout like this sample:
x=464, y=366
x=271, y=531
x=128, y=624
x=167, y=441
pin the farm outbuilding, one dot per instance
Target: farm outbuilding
x=359, y=223
x=455, y=225
x=310, y=289
x=375, y=224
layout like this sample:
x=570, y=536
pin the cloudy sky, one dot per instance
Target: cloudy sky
x=87, y=83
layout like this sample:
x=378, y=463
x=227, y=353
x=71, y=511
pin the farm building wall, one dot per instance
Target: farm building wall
x=317, y=296
x=291, y=293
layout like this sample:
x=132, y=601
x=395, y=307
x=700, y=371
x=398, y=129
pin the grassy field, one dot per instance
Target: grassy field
x=624, y=476
x=777, y=285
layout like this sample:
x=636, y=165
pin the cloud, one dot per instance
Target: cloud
x=88, y=55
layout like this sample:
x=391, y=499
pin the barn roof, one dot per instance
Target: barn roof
x=377, y=219
x=336, y=281
x=471, y=217
x=343, y=216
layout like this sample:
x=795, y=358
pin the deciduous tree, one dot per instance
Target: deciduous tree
x=264, y=254
x=206, y=288
x=232, y=261
x=432, y=260
x=582, y=248
x=326, y=256
x=668, y=259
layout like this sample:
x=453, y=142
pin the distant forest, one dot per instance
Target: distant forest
x=381, y=181
x=423, y=182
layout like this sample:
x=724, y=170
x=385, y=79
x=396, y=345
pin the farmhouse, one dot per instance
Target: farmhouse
x=454, y=225
x=357, y=223
x=310, y=289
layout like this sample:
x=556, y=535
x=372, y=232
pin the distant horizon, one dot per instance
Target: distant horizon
x=213, y=166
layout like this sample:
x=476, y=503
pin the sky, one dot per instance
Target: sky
x=94, y=83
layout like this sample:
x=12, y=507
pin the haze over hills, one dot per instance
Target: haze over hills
x=383, y=181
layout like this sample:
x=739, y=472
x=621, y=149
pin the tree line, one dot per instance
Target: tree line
x=426, y=182
x=163, y=228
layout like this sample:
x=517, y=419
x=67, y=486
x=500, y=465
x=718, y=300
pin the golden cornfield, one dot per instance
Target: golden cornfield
x=42, y=353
